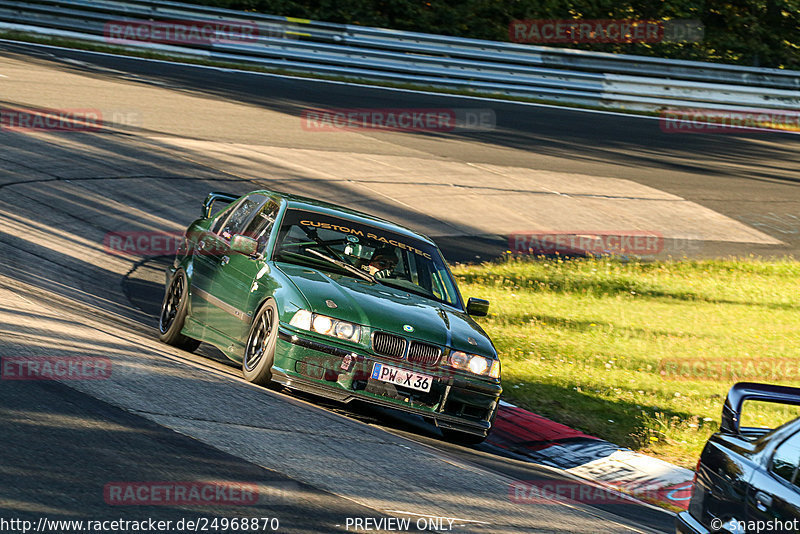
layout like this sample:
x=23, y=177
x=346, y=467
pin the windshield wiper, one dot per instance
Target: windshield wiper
x=312, y=233
x=344, y=265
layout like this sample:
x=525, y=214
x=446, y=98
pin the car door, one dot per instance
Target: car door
x=214, y=253
x=774, y=493
x=235, y=286
x=205, y=264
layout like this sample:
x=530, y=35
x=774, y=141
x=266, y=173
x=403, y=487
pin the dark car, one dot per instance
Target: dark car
x=334, y=302
x=747, y=479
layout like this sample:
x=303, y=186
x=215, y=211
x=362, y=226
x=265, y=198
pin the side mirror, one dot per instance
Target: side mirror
x=477, y=307
x=244, y=245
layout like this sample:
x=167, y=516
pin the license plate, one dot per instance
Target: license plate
x=401, y=377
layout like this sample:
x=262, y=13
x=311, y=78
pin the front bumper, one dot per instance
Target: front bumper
x=455, y=402
x=685, y=523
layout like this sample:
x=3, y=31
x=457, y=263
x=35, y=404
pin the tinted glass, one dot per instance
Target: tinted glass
x=260, y=226
x=238, y=220
x=786, y=458
x=393, y=259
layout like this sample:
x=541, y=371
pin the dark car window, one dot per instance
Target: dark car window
x=238, y=220
x=395, y=260
x=786, y=459
x=218, y=223
x=261, y=225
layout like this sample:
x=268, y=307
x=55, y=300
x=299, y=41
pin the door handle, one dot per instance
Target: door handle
x=224, y=260
x=763, y=501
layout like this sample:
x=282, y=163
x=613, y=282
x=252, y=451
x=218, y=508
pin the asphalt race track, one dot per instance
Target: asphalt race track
x=172, y=134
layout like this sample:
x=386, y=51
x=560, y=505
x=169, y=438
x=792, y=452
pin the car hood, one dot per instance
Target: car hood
x=388, y=308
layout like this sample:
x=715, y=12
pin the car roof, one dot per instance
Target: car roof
x=327, y=208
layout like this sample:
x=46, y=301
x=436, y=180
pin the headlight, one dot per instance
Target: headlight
x=322, y=324
x=478, y=365
x=326, y=325
x=475, y=364
x=344, y=330
x=302, y=319
x=459, y=360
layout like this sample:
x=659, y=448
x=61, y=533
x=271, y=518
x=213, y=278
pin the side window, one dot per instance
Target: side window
x=786, y=459
x=260, y=226
x=238, y=220
x=424, y=276
x=412, y=269
x=436, y=286
x=221, y=218
x=217, y=224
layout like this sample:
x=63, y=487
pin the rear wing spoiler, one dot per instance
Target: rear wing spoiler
x=227, y=198
x=743, y=391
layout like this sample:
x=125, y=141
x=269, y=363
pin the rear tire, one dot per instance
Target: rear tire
x=259, y=353
x=173, y=314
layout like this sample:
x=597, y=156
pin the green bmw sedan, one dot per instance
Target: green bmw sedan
x=334, y=302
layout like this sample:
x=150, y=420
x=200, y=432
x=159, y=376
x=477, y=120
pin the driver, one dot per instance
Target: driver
x=382, y=263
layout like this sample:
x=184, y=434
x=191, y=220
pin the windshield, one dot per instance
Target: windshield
x=343, y=246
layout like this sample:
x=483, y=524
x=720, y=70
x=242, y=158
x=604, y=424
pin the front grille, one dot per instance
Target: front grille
x=388, y=344
x=423, y=353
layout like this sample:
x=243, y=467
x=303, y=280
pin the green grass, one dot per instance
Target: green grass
x=605, y=345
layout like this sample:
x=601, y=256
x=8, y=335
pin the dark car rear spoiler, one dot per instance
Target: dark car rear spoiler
x=227, y=198
x=731, y=412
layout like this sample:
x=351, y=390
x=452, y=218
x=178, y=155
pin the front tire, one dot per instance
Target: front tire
x=259, y=353
x=173, y=314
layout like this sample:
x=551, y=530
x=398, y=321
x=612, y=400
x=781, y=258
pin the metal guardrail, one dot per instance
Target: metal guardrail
x=555, y=74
